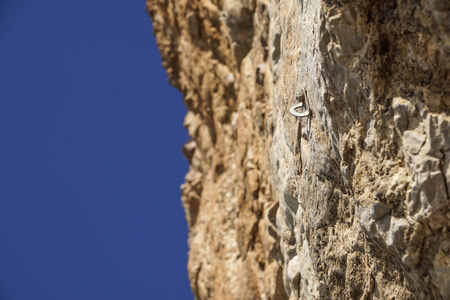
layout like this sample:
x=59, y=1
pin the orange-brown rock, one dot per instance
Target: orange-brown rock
x=349, y=202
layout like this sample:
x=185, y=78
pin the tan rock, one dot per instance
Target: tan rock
x=350, y=202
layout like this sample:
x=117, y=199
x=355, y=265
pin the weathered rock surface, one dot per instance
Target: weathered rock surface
x=351, y=202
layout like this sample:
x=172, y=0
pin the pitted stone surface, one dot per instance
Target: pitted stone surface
x=351, y=202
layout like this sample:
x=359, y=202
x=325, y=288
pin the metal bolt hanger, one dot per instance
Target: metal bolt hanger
x=301, y=99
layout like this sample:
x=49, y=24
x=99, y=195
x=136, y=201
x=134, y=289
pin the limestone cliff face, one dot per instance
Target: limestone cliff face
x=350, y=202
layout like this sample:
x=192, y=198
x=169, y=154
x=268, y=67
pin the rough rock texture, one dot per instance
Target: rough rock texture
x=351, y=202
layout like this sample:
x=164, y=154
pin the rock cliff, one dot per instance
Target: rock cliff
x=348, y=202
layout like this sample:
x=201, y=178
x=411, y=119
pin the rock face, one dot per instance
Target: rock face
x=350, y=202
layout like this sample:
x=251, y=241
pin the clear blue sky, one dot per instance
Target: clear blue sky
x=90, y=155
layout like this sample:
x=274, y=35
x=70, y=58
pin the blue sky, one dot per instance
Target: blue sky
x=90, y=155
